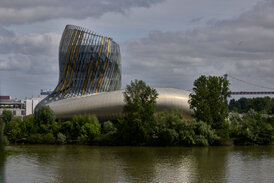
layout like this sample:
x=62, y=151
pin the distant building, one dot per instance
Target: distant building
x=17, y=107
x=21, y=108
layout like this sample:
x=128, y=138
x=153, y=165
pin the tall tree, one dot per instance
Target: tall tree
x=139, y=112
x=6, y=116
x=209, y=100
x=44, y=115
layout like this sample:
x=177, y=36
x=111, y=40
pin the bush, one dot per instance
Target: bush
x=61, y=138
x=108, y=139
x=66, y=129
x=85, y=128
x=13, y=130
x=6, y=116
x=41, y=138
x=35, y=138
x=168, y=137
x=48, y=139
x=172, y=130
x=3, y=138
x=108, y=126
x=44, y=115
x=251, y=129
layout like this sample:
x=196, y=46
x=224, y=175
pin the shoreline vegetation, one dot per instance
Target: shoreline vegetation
x=141, y=126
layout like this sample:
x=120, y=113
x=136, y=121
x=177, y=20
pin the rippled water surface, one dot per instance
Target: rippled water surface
x=44, y=163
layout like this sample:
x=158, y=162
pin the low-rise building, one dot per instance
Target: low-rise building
x=21, y=108
x=17, y=107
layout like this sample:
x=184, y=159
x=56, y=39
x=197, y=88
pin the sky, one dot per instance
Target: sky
x=166, y=43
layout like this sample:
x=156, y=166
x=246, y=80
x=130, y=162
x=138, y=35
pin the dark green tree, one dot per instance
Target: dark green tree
x=85, y=128
x=209, y=100
x=3, y=138
x=263, y=105
x=6, y=116
x=44, y=115
x=137, y=125
x=252, y=128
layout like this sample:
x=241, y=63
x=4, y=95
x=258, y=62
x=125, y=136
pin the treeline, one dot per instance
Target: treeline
x=251, y=128
x=209, y=102
x=263, y=105
x=141, y=125
x=167, y=128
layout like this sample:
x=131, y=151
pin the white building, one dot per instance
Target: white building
x=21, y=108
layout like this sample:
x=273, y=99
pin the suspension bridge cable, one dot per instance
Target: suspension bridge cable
x=260, y=86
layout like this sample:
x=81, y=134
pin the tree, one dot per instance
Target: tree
x=3, y=138
x=209, y=100
x=6, y=116
x=138, y=122
x=252, y=128
x=172, y=130
x=44, y=115
x=85, y=128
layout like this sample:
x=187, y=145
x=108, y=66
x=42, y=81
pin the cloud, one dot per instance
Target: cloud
x=18, y=12
x=243, y=47
x=34, y=44
x=28, y=53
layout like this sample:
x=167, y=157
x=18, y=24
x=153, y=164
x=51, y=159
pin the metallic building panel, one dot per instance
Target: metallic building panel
x=109, y=105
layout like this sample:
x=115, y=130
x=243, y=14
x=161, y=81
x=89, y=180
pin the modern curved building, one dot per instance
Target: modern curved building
x=90, y=79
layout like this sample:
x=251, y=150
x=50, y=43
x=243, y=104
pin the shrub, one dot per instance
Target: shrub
x=172, y=130
x=35, y=138
x=85, y=128
x=41, y=138
x=6, y=116
x=108, y=139
x=66, y=129
x=251, y=129
x=44, y=115
x=61, y=138
x=108, y=126
x=13, y=130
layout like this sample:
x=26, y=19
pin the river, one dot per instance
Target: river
x=74, y=163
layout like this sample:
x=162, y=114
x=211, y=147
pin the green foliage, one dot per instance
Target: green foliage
x=172, y=130
x=44, y=115
x=13, y=129
x=252, y=128
x=38, y=138
x=110, y=139
x=89, y=131
x=209, y=100
x=108, y=126
x=6, y=116
x=61, y=138
x=67, y=129
x=29, y=126
x=137, y=125
x=85, y=128
x=259, y=104
x=3, y=138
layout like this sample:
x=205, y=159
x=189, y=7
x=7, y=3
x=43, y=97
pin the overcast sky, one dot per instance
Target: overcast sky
x=166, y=43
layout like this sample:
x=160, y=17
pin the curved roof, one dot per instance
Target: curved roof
x=109, y=105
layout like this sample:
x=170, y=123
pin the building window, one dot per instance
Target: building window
x=14, y=113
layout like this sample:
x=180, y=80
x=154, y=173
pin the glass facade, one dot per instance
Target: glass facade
x=88, y=63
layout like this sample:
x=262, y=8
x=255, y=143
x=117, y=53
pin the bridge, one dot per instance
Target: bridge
x=269, y=92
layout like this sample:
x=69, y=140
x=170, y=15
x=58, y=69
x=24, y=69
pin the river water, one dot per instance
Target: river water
x=71, y=163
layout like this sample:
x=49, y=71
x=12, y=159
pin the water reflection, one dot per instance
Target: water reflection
x=138, y=164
